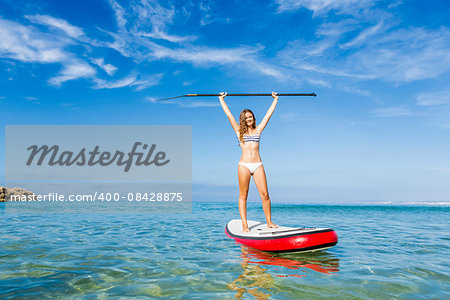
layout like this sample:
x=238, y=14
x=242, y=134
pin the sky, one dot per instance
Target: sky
x=378, y=131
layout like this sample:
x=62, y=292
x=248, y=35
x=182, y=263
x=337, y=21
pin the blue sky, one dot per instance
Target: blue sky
x=379, y=130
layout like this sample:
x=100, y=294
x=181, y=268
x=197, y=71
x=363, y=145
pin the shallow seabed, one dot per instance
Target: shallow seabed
x=383, y=252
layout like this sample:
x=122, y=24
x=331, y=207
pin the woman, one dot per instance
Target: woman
x=250, y=163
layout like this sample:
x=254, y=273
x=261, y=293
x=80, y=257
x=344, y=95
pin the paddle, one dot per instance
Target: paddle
x=228, y=95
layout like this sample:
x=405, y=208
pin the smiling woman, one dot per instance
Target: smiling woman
x=250, y=164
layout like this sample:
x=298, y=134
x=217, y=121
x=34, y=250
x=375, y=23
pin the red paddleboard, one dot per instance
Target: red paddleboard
x=281, y=239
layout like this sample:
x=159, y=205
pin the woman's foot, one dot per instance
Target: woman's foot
x=271, y=225
x=245, y=229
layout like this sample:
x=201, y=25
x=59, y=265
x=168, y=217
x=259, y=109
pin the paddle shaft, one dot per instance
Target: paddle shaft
x=212, y=95
x=216, y=95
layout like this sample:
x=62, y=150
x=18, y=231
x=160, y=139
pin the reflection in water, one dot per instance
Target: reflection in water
x=260, y=284
x=254, y=280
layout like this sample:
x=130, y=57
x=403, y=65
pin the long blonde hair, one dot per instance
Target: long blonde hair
x=243, y=128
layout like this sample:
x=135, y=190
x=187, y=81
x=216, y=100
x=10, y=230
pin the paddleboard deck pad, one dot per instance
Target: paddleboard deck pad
x=281, y=239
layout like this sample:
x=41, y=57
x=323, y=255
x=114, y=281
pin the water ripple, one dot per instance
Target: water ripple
x=383, y=252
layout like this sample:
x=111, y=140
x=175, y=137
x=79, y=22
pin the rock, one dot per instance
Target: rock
x=2, y=194
x=20, y=192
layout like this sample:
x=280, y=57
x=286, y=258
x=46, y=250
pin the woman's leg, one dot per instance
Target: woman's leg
x=261, y=183
x=244, y=182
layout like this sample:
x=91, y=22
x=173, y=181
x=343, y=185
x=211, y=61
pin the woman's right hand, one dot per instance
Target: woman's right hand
x=275, y=96
x=222, y=95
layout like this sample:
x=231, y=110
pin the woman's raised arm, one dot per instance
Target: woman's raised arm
x=233, y=122
x=269, y=113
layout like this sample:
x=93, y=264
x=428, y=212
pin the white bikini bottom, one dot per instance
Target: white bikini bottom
x=251, y=166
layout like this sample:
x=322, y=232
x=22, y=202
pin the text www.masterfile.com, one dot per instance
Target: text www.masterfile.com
x=102, y=197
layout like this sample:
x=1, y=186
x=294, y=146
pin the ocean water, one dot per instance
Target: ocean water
x=383, y=252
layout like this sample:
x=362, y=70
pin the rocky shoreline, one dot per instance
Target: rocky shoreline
x=6, y=193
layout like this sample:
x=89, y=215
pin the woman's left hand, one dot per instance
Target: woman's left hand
x=222, y=95
x=275, y=96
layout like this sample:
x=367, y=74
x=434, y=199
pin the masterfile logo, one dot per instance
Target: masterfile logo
x=98, y=152
x=53, y=156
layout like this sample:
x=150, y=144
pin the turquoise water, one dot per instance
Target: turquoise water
x=383, y=252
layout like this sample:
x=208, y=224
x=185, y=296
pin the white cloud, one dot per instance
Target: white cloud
x=205, y=55
x=367, y=46
x=63, y=25
x=433, y=98
x=348, y=49
x=244, y=57
x=206, y=16
x=29, y=45
x=396, y=56
x=136, y=41
x=147, y=81
x=357, y=91
x=126, y=81
x=159, y=101
x=206, y=19
x=150, y=99
x=366, y=33
x=73, y=71
x=296, y=56
x=108, y=68
x=267, y=69
x=395, y=4
x=149, y=12
x=204, y=6
x=323, y=6
x=119, y=13
x=146, y=18
x=405, y=55
x=164, y=36
x=336, y=29
x=33, y=100
x=391, y=112
x=130, y=80
x=319, y=82
x=330, y=33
